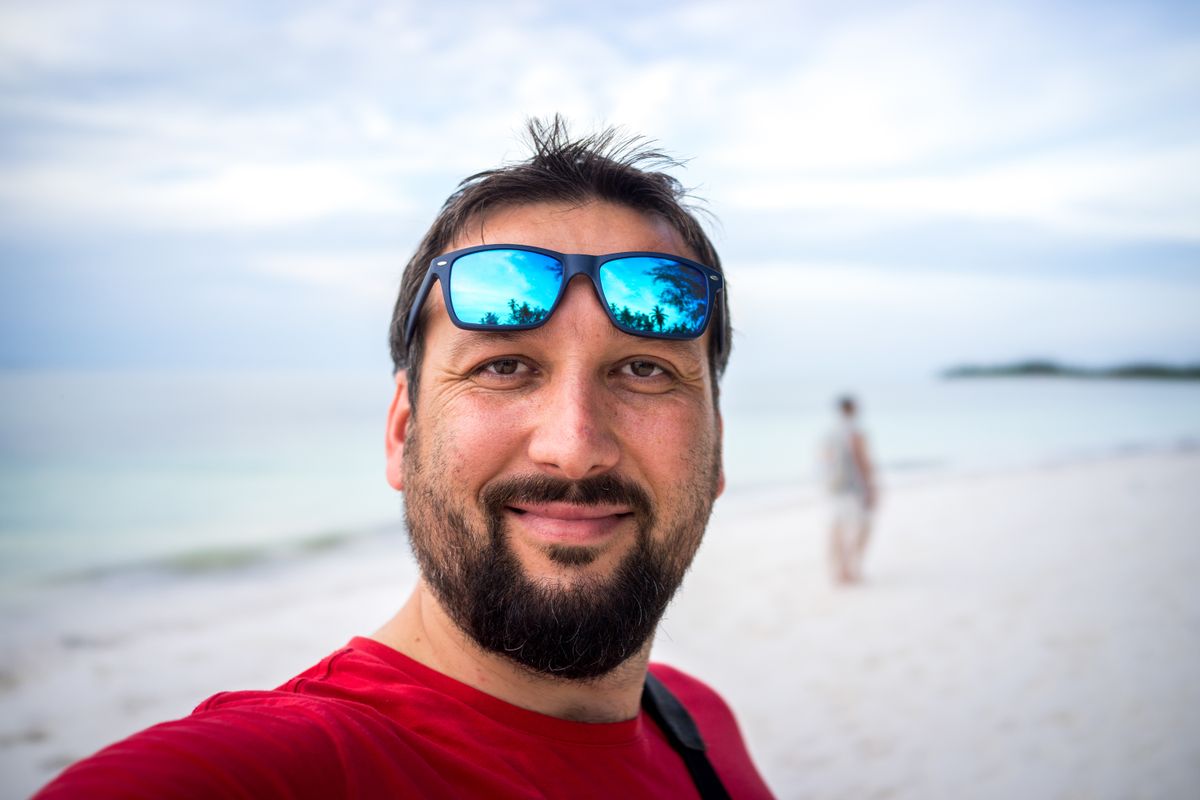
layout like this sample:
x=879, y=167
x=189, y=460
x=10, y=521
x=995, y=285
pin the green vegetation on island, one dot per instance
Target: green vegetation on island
x=1042, y=368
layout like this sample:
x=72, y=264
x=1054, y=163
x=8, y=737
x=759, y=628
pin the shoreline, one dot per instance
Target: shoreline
x=1014, y=611
x=220, y=558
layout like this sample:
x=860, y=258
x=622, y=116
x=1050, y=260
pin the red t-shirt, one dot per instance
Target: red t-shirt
x=370, y=722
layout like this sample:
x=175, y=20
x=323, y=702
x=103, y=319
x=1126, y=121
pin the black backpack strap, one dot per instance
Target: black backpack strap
x=681, y=731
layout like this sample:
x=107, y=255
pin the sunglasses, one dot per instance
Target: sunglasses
x=509, y=287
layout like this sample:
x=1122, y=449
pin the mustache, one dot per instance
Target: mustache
x=598, y=490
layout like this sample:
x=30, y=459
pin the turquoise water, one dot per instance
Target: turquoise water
x=101, y=469
x=929, y=423
x=202, y=470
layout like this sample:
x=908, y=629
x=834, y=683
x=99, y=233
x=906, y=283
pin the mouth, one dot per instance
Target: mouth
x=569, y=523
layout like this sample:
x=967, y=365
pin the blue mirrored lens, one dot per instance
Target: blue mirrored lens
x=655, y=295
x=504, y=287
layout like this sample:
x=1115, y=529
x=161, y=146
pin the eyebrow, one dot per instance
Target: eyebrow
x=461, y=346
x=473, y=338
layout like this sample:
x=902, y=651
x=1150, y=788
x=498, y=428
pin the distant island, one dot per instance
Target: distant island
x=1040, y=368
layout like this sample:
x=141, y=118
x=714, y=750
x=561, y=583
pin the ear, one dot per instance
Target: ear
x=721, y=466
x=397, y=431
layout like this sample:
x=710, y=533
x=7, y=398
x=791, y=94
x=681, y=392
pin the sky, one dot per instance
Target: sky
x=896, y=187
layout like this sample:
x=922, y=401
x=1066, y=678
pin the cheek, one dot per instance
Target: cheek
x=473, y=444
x=670, y=443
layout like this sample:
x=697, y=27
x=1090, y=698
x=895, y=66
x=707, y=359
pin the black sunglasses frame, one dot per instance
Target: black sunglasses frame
x=573, y=264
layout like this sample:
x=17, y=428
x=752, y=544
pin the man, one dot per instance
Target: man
x=852, y=485
x=555, y=432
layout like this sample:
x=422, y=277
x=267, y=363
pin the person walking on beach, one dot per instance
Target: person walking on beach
x=557, y=344
x=853, y=494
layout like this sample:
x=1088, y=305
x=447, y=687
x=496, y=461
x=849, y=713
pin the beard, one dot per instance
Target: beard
x=573, y=630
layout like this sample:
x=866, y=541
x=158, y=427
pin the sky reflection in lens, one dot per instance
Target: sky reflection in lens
x=655, y=294
x=504, y=287
x=519, y=287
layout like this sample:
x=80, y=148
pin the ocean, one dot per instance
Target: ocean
x=197, y=471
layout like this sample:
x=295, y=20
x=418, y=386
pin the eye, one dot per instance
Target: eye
x=503, y=366
x=644, y=369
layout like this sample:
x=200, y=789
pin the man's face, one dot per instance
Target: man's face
x=558, y=480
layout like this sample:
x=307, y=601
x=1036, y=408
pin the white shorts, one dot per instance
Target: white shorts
x=850, y=510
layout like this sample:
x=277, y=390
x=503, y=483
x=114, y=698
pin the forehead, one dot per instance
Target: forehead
x=594, y=228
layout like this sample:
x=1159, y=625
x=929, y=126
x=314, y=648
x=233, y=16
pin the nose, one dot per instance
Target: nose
x=574, y=434
x=573, y=437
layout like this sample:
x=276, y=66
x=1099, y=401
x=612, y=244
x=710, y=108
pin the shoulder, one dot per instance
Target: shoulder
x=700, y=699
x=251, y=747
x=722, y=737
x=315, y=736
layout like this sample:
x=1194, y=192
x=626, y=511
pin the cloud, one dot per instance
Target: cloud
x=914, y=110
x=838, y=319
x=923, y=112
x=284, y=135
x=1090, y=194
x=232, y=197
x=356, y=276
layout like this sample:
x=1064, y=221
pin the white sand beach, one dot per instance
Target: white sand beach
x=1030, y=633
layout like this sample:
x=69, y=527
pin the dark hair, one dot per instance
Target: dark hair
x=609, y=166
x=847, y=404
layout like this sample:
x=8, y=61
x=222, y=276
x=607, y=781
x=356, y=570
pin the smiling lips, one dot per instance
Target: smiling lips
x=568, y=523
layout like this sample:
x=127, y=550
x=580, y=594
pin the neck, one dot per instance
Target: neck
x=424, y=632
